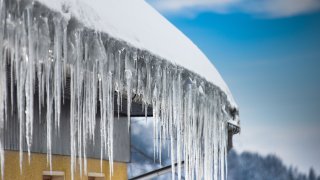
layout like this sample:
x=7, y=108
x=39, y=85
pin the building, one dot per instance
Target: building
x=74, y=72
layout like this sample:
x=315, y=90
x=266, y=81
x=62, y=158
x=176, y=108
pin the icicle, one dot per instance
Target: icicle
x=44, y=53
x=72, y=123
x=111, y=122
x=128, y=75
x=79, y=85
x=21, y=80
x=65, y=56
x=49, y=100
x=3, y=87
x=30, y=81
x=118, y=84
x=58, y=46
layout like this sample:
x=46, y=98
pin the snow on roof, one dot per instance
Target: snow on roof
x=137, y=23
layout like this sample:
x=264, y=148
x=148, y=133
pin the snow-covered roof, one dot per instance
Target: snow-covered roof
x=140, y=25
x=98, y=53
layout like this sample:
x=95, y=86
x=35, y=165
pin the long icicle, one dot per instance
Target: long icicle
x=45, y=53
x=3, y=85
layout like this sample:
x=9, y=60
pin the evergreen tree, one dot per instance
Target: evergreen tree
x=312, y=174
x=291, y=174
x=252, y=166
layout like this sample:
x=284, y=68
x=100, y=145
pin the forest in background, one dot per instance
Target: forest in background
x=253, y=166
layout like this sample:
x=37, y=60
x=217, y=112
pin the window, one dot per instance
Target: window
x=95, y=176
x=53, y=175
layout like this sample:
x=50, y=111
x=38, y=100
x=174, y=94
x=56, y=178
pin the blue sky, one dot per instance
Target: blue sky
x=268, y=52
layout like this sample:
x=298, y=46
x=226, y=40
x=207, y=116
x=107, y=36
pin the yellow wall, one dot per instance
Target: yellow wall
x=59, y=163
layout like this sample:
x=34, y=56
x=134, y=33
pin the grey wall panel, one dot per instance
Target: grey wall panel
x=61, y=139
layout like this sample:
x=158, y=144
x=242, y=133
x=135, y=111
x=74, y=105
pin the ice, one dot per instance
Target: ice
x=58, y=46
x=47, y=53
x=3, y=88
x=30, y=80
x=128, y=76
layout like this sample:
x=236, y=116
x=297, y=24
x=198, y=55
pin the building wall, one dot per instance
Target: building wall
x=60, y=143
x=59, y=163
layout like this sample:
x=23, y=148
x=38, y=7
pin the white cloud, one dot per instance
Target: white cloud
x=177, y=5
x=280, y=8
x=265, y=8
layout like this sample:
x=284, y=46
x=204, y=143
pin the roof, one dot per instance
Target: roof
x=106, y=51
x=141, y=26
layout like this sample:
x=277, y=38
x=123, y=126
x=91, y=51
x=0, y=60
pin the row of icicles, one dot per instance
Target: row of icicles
x=44, y=53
